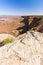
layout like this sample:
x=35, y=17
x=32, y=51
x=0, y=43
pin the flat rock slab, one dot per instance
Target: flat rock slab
x=27, y=50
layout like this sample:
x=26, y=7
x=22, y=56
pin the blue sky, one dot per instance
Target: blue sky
x=21, y=7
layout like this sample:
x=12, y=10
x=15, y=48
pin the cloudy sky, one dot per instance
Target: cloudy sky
x=21, y=7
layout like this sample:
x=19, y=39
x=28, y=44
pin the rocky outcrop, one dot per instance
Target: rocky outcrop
x=25, y=50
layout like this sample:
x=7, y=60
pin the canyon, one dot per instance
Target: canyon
x=20, y=25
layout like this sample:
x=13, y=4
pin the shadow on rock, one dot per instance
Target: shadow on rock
x=34, y=22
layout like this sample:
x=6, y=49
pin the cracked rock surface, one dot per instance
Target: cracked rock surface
x=27, y=50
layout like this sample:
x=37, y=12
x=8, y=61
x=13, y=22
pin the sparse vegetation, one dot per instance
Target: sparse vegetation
x=6, y=41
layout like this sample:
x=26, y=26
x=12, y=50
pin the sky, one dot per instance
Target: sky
x=21, y=7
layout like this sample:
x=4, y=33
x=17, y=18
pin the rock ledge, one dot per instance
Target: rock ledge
x=26, y=50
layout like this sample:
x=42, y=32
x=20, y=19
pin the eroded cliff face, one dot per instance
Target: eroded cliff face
x=27, y=49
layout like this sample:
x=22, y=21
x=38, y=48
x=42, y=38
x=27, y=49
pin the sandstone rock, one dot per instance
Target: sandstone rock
x=15, y=33
x=27, y=50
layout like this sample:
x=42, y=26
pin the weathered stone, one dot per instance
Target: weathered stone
x=26, y=50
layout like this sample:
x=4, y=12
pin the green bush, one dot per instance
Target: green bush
x=7, y=40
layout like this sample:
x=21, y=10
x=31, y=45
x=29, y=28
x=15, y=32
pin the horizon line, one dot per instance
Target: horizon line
x=24, y=15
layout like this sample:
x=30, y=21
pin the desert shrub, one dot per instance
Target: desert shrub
x=7, y=40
